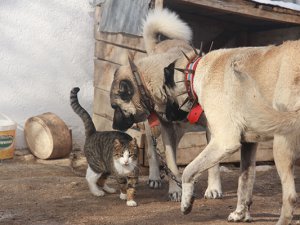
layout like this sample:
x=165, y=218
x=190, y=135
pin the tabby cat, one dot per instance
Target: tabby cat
x=108, y=153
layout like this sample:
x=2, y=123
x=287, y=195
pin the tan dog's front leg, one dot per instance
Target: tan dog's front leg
x=170, y=139
x=213, y=153
x=214, y=186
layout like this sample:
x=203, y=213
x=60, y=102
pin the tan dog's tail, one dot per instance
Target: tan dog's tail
x=166, y=23
x=268, y=121
x=259, y=115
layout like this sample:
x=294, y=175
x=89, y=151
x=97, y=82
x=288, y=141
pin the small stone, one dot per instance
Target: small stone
x=28, y=157
x=21, y=152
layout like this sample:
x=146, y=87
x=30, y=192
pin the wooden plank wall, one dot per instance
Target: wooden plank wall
x=111, y=51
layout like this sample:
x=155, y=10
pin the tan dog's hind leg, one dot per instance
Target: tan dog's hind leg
x=284, y=155
x=214, y=152
x=246, y=182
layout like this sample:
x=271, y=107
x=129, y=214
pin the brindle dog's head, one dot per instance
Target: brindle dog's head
x=164, y=45
x=157, y=71
x=126, y=100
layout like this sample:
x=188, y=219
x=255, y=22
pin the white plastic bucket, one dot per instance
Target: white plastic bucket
x=7, y=137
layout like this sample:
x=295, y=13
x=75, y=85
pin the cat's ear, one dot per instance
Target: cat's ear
x=117, y=144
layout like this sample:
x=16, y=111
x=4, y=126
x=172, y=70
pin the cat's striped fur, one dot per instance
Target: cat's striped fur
x=108, y=153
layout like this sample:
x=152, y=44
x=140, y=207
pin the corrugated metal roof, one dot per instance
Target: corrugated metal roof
x=289, y=4
x=124, y=16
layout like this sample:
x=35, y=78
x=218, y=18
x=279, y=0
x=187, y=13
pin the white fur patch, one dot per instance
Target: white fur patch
x=131, y=203
x=187, y=194
x=125, y=165
x=164, y=22
x=123, y=196
x=92, y=179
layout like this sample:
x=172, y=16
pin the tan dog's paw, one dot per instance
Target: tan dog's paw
x=240, y=216
x=187, y=198
x=213, y=193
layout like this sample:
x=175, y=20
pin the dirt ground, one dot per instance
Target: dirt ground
x=35, y=193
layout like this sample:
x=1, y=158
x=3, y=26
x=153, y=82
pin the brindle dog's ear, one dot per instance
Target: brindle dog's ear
x=126, y=90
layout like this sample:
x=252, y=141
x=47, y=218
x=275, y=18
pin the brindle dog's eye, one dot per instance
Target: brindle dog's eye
x=124, y=97
x=126, y=90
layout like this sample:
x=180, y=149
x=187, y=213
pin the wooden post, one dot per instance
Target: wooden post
x=159, y=4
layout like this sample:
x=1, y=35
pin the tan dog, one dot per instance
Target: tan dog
x=248, y=95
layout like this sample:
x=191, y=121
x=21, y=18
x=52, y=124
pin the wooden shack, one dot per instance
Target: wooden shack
x=228, y=23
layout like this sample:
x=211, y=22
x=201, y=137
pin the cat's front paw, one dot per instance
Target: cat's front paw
x=109, y=189
x=98, y=192
x=131, y=203
x=123, y=196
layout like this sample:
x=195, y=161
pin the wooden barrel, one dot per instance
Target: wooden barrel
x=47, y=136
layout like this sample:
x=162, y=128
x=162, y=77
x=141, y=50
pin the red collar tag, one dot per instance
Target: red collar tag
x=153, y=120
x=195, y=113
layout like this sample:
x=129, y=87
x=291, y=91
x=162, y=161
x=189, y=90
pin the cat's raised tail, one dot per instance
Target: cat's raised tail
x=82, y=113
